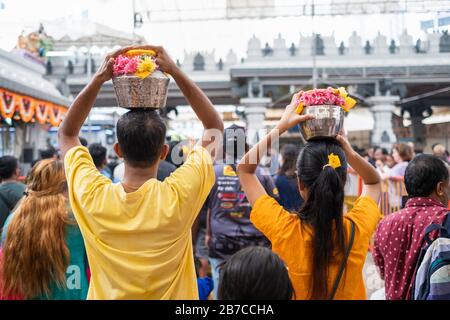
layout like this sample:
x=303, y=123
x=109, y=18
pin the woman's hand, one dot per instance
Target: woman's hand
x=290, y=118
x=343, y=141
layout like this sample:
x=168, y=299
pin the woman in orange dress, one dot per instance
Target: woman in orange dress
x=323, y=248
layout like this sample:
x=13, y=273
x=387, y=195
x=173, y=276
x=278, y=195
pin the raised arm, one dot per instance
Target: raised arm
x=79, y=110
x=200, y=103
x=369, y=175
x=247, y=167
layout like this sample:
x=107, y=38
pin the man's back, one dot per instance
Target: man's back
x=231, y=228
x=398, y=241
x=139, y=244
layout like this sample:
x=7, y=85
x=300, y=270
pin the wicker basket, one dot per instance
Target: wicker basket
x=134, y=92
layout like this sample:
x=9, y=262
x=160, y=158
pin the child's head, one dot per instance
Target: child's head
x=255, y=273
x=141, y=134
x=322, y=187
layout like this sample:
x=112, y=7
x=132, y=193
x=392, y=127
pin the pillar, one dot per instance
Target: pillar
x=382, y=108
x=255, y=111
x=418, y=112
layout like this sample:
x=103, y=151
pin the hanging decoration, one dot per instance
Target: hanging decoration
x=41, y=112
x=26, y=109
x=7, y=105
x=56, y=114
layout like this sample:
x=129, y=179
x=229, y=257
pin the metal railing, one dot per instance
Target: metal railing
x=393, y=192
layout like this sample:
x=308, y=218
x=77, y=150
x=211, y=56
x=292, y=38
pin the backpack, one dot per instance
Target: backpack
x=432, y=277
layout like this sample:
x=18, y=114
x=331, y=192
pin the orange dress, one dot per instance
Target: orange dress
x=291, y=240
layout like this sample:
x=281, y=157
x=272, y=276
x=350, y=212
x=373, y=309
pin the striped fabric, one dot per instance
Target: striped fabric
x=433, y=275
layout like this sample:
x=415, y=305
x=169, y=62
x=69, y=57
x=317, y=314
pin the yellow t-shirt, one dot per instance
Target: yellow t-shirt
x=291, y=240
x=139, y=244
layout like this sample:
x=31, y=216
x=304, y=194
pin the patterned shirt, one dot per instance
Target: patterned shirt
x=398, y=241
x=230, y=225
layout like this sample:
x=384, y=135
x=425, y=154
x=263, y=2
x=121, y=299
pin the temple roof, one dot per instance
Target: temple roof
x=25, y=77
x=83, y=32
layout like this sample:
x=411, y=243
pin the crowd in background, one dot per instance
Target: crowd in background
x=155, y=227
x=218, y=237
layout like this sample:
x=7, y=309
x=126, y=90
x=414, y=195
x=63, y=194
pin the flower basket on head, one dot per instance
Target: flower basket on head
x=138, y=82
x=328, y=107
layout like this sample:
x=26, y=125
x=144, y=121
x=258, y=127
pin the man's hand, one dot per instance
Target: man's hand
x=290, y=118
x=163, y=60
x=105, y=72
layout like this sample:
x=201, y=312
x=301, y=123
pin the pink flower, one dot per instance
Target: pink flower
x=321, y=97
x=125, y=65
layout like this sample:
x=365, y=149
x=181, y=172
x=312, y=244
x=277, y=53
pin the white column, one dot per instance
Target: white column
x=19, y=140
x=38, y=138
x=382, y=109
x=255, y=111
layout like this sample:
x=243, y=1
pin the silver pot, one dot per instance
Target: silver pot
x=328, y=122
x=134, y=92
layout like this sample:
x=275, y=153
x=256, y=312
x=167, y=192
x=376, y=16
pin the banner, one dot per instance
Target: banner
x=27, y=109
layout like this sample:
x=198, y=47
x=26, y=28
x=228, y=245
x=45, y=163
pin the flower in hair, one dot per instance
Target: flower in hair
x=334, y=161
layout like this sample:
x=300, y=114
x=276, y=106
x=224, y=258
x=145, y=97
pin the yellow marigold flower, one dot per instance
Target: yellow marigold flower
x=342, y=92
x=140, y=52
x=349, y=104
x=334, y=161
x=145, y=67
x=299, y=108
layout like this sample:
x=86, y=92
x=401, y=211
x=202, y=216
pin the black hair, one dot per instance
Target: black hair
x=235, y=142
x=48, y=153
x=8, y=166
x=323, y=208
x=383, y=151
x=423, y=173
x=141, y=134
x=255, y=273
x=83, y=141
x=98, y=154
x=289, y=153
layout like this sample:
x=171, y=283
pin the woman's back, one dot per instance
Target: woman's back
x=43, y=250
x=292, y=240
x=77, y=282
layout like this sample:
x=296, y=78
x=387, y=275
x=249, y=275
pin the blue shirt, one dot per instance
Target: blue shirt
x=290, y=197
x=205, y=286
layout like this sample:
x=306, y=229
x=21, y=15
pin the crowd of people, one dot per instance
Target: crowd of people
x=219, y=225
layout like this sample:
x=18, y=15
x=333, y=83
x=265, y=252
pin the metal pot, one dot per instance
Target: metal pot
x=328, y=122
x=134, y=92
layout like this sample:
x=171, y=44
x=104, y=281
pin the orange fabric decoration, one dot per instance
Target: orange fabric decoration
x=28, y=109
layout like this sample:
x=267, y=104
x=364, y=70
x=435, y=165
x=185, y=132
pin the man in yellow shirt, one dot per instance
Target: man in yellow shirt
x=137, y=233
